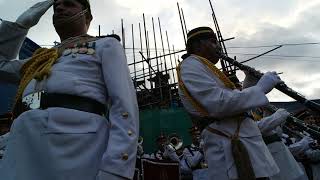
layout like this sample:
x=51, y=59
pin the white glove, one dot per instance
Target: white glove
x=305, y=141
x=32, y=16
x=270, y=123
x=300, y=147
x=268, y=81
x=170, y=153
x=281, y=115
x=168, y=150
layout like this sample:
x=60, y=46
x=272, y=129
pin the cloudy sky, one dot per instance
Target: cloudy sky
x=253, y=23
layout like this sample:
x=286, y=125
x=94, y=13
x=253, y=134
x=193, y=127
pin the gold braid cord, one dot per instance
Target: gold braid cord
x=226, y=81
x=38, y=67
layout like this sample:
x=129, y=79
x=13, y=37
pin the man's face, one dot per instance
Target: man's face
x=161, y=142
x=196, y=138
x=64, y=9
x=212, y=49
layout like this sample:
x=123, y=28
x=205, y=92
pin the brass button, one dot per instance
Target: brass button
x=130, y=132
x=125, y=156
x=125, y=115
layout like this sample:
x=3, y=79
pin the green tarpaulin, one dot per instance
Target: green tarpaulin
x=167, y=121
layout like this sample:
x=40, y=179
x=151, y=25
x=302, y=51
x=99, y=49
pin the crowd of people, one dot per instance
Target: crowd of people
x=296, y=158
x=76, y=114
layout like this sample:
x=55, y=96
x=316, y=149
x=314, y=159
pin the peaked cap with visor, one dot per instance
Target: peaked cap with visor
x=199, y=34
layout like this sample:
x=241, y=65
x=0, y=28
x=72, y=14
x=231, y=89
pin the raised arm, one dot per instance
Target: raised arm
x=12, y=35
x=269, y=123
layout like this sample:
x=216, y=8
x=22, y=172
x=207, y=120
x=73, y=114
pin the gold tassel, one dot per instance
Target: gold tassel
x=242, y=160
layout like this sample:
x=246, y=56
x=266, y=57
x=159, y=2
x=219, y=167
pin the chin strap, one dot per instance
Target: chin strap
x=72, y=18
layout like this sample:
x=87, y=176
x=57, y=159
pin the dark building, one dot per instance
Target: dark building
x=293, y=107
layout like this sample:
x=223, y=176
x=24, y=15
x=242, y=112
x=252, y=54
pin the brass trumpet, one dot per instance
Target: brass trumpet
x=175, y=141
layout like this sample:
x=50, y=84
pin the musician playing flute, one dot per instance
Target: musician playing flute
x=307, y=157
x=272, y=132
x=270, y=127
x=194, y=156
x=233, y=143
x=313, y=155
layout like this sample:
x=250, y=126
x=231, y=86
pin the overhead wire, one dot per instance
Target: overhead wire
x=265, y=46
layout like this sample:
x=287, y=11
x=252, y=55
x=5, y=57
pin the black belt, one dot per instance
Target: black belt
x=271, y=139
x=199, y=166
x=70, y=102
x=203, y=122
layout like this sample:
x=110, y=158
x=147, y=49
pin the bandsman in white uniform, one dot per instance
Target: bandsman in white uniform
x=302, y=151
x=161, y=142
x=270, y=127
x=164, y=151
x=61, y=130
x=194, y=156
x=271, y=132
x=313, y=155
x=3, y=144
x=233, y=144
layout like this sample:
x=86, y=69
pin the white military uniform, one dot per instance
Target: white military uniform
x=4, y=140
x=59, y=143
x=223, y=103
x=193, y=158
x=314, y=156
x=289, y=168
x=168, y=154
x=3, y=143
x=185, y=170
x=302, y=148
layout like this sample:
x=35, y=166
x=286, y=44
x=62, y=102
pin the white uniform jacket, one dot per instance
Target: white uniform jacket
x=223, y=103
x=158, y=155
x=314, y=155
x=4, y=140
x=59, y=143
x=193, y=157
x=289, y=168
x=3, y=143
